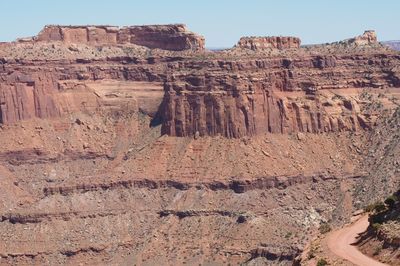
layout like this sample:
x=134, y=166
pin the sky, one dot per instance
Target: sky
x=221, y=22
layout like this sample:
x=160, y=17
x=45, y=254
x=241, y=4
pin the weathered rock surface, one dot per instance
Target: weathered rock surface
x=274, y=42
x=301, y=91
x=90, y=177
x=280, y=95
x=169, y=37
x=367, y=38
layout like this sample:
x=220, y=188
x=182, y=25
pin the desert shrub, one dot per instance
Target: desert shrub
x=312, y=251
x=322, y=262
x=377, y=250
x=369, y=208
x=288, y=235
x=324, y=228
x=376, y=226
x=391, y=201
x=378, y=218
x=377, y=207
x=311, y=254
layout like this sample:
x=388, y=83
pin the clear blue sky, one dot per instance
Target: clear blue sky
x=222, y=22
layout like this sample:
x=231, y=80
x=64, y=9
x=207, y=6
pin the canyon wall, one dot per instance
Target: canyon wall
x=224, y=93
x=248, y=97
x=92, y=172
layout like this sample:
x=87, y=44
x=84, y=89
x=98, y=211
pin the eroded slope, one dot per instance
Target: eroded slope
x=115, y=153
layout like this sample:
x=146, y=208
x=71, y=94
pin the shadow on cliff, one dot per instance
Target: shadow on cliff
x=158, y=117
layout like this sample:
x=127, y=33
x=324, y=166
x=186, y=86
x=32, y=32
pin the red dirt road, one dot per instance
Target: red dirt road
x=339, y=242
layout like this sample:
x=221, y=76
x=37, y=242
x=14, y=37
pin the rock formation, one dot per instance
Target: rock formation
x=286, y=93
x=277, y=95
x=275, y=42
x=114, y=152
x=367, y=38
x=169, y=37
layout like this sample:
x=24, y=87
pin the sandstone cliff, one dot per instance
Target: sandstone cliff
x=225, y=93
x=118, y=153
x=277, y=42
x=169, y=37
x=280, y=95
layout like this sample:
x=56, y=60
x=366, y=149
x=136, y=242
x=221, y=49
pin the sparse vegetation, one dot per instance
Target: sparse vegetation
x=376, y=226
x=365, y=95
x=322, y=262
x=384, y=211
x=391, y=201
x=288, y=235
x=312, y=252
x=325, y=228
x=375, y=207
x=377, y=250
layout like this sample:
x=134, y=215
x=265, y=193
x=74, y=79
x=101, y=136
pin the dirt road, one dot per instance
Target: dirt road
x=339, y=242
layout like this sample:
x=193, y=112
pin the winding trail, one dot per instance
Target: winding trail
x=340, y=242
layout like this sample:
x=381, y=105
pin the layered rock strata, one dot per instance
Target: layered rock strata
x=282, y=95
x=277, y=42
x=174, y=37
x=299, y=91
x=92, y=171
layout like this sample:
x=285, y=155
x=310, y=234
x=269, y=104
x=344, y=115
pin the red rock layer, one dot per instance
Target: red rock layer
x=231, y=98
x=168, y=37
x=276, y=42
x=204, y=93
x=275, y=95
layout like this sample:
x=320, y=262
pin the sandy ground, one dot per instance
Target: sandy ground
x=340, y=242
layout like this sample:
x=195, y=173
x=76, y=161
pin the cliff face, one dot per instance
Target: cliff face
x=278, y=42
x=276, y=95
x=28, y=95
x=169, y=37
x=227, y=93
x=116, y=153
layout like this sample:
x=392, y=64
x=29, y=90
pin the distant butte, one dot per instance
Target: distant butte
x=279, y=42
x=174, y=37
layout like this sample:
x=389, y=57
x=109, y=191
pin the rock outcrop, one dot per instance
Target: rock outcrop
x=295, y=90
x=103, y=159
x=274, y=95
x=367, y=38
x=174, y=37
x=274, y=42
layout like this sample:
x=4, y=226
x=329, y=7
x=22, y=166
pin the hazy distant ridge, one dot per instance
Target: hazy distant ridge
x=393, y=44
